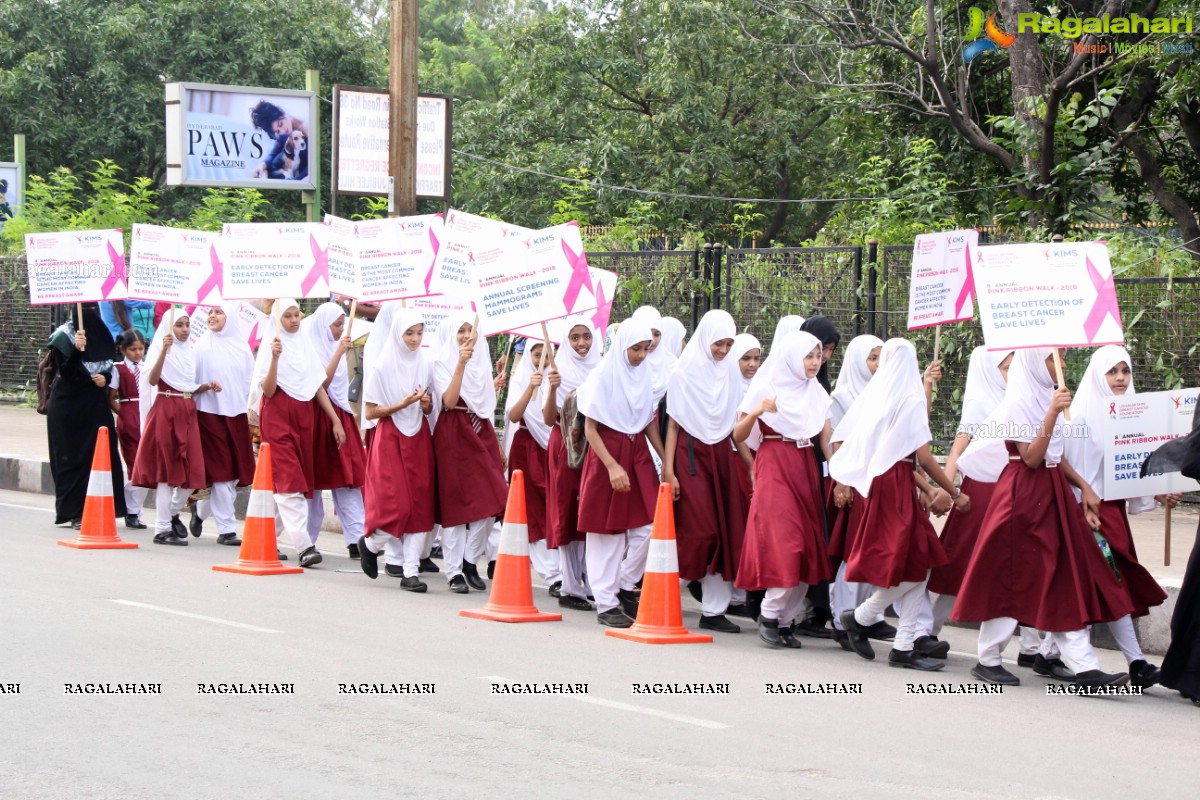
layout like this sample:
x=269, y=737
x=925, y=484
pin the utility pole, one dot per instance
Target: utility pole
x=402, y=90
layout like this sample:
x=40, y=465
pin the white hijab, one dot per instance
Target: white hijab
x=803, y=405
x=1026, y=400
x=320, y=339
x=476, y=391
x=985, y=387
x=673, y=334
x=888, y=422
x=299, y=372
x=788, y=323
x=703, y=394
x=662, y=360
x=743, y=343
x=376, y=346
x=573, y=369
x=224, y=356
x=179, y=367
x=853, y=376
x=532, y=420
x=397, y=372
x=1089, y=408
x=617, y=394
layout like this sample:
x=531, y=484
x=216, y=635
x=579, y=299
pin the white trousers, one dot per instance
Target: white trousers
x=404, y=551
x=572, y=565
x=347, y=505
x=1075, y=646
x=464, y=542
x=716, y=594
x=430, y=538
x=168, y=501
x=134, y=497
x=1031, y=640
x=545, y=562
x=781, y=605
x=291, y=518
x=943, y=604
x=925, y=620
x=219, y=506
x=738, y=596
x=907, y=597
x=493, y=541
x=845, y=595
x=1123, y=631
x=616, y=562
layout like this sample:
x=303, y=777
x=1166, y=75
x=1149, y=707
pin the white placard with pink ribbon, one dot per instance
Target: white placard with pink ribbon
x=605, y=284
x=396, y=256
x=464, y=237
x=940, y=289
x=269, y=260
x=341, y=252
x=435, y=310
x=174, y=265
x=530, y=279
x=1046, y=295
x=1135, y=426
x=75, y=266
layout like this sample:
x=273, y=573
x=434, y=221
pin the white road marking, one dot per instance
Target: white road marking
x=190, y=615
x=652, y=712
x=27, y=508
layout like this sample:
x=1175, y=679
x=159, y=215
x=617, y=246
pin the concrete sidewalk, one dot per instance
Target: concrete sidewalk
x=24, y=466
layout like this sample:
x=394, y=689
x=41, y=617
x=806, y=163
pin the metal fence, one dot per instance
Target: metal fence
x=24, y=329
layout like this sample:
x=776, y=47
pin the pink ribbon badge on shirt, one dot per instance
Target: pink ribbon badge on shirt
x=581, y=276
x=116, y=274
x=214, y=279
x=320, y=267
x=1106, y=302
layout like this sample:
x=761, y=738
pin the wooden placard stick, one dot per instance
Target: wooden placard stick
x=1058, y=372
x=1167, y=539
x=350, y=322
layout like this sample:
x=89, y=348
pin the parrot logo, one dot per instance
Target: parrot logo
x=982, y=37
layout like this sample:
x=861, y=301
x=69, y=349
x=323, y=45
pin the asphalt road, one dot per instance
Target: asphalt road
x=160, y=615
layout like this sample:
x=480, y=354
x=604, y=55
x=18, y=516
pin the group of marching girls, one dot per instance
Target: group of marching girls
x=796, y=503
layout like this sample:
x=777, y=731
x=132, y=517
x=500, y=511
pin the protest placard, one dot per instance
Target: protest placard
x=940, y=289
x=605, y=284
x=1039, y=295
x=396, y=256
x=174, y=265
x=270, y=260
x=75, y=266
x=342, y=254
x=1135, y=426
x=529, y=279
x=463, y=238
x=435, y=310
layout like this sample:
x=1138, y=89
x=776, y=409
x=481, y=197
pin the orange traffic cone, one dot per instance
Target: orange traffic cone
x=512, y=590
x=98, y=531
x=660, y=618
x=260, y=552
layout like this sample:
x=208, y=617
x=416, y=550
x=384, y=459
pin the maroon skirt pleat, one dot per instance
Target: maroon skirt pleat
x=337, y=467
x=527, y=456
x=228, y=448
x=562, y=495
x=170, y=450
x=401, y=476
x=959, y=535
x=711, y=512
x=603, y=510
x=470, y=472
x=287, y=425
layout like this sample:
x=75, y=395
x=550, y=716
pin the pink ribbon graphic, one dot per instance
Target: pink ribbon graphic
x=253, y=337
x=603, y=310
x=1112, y=409
x=1106, y=302
x=320, y=267
x=433, y=240
x=964, y=296
x=116, y=274
x=213, y=281
x=580, y=276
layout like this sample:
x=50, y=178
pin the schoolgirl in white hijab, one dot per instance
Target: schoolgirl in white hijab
x=673, y=334
x=225, y=364
x=895, y=546
x=619, y=481
x=470, y=470
x=703, y=468
x=377, y=344
x=298, y=372
x=170, y=456
x=663, y=353
x=857, y=369
x=1109, y=374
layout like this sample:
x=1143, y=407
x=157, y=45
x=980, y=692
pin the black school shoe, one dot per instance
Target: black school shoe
x=471, y=573
x=492, y=570
x=310, y=557
x=931, y=647
x=614, y=618
x=856, y=635
x=788, y=638
x=720, y=623
x=230, y=539
x=629, y=602
x=132, y=521
x=814, y=628
x=768, y=631
x=843, y=639
x=880, y=631
x=169, y=537
x=739, y=610
x=555, y=589
x=574, y=603
x=368, y=560
x=352, y=550
x=414, y=584
x=458, y=585
x=1026, y=659
x=1052, y=668
x=427, y=565
x=997, y=675
x=195, y=525
x=178, y=528
x=436, y=553
x=394, y=570
x=911, y=659
x=1143, y=674
x=1094, y=678
x=696, y=591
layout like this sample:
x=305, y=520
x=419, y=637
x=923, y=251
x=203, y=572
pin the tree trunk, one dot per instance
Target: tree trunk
x=1029, y=81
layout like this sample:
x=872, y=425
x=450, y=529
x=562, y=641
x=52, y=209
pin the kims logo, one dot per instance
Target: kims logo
x=982, y=37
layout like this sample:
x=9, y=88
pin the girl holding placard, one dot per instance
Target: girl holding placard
x=343, y=469
x=618, y=487
x=225, y=364
x=125, y=397
x=579, y=355
x=170, y=457
x=287, y=384
x=894, y=545
x=399, y=403
x=1109, y=374
x=1036, y=559
x=470, y=487
x=702, y=465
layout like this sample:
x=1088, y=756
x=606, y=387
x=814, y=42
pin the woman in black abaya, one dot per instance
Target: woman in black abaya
x=1181, y=667
x=77, y=409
